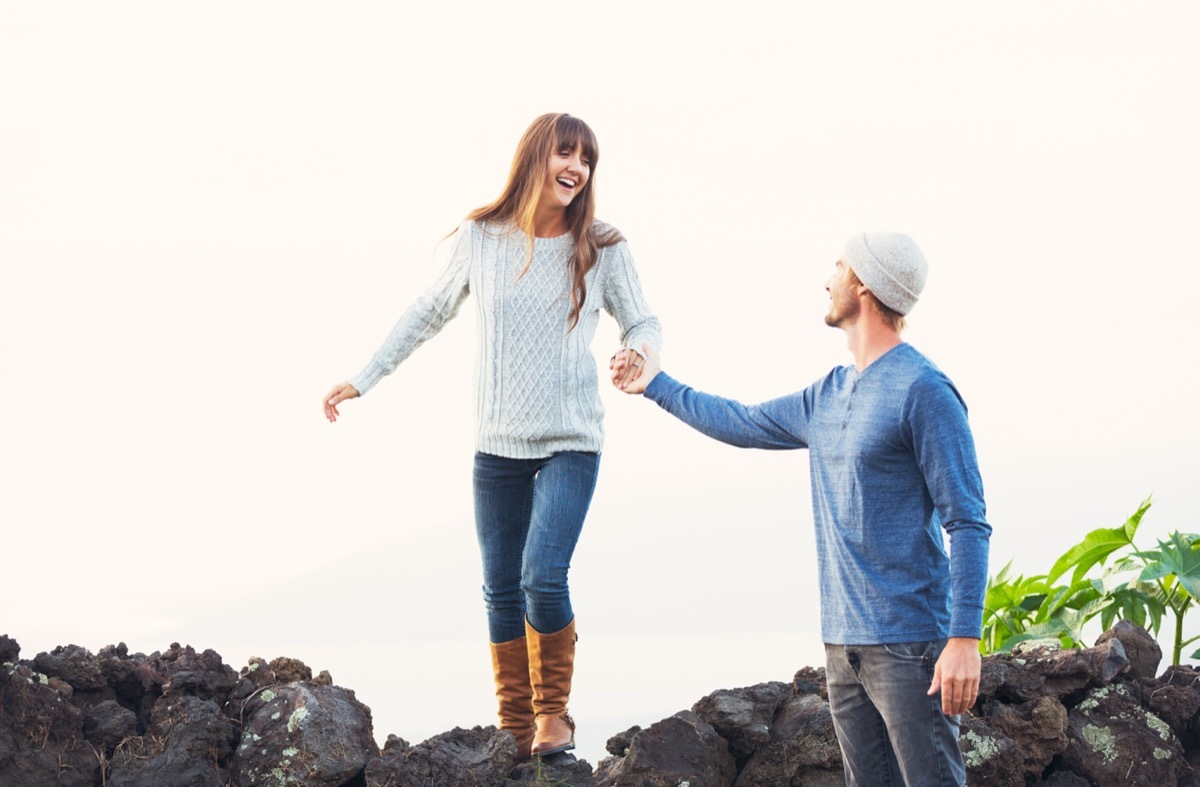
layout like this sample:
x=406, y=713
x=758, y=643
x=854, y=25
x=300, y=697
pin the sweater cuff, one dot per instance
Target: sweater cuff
x=367, y=378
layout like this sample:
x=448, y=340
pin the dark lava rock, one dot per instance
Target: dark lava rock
x=802, y=750
x=9, y=649
x=302, y=733
x=1064, y=779
x=186, y=742
x=743, y=717
x=1037, y=728
x=41, y=732
x=1044, y=669
x=1175, y=698
x=1141, y=649
x=76, y=665
x=810, y=680
x=558, y=770
x=619, y=743
x=991, y=757
x=482, y=755
x=183, y=718
x=1113, y=741
x=681, y=748
x=107, y=723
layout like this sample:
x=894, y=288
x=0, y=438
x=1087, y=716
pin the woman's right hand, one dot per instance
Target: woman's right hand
x=340, y=393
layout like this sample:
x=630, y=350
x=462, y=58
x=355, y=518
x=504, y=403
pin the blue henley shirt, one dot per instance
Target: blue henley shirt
x=892, y=464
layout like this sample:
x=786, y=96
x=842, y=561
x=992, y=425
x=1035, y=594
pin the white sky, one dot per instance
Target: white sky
x=211, y=213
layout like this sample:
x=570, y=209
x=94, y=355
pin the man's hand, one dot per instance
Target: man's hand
x=632, y=372
x=956, y=675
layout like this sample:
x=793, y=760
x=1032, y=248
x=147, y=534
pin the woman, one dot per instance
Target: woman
x=541, y=268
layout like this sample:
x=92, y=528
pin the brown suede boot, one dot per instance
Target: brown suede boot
x=551, y=666
x=514, y=693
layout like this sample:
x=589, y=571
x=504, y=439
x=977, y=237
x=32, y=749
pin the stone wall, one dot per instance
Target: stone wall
x=1097, y=716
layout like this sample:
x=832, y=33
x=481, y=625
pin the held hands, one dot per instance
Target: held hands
x=339, y=393
x=956, y=675
x=632, y=372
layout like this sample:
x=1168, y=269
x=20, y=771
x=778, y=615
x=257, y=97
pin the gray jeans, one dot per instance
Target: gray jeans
x=891, y=732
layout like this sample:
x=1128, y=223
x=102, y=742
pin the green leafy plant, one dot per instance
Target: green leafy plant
x=1174, y=570
x=1138, y=586
x=1010, y=608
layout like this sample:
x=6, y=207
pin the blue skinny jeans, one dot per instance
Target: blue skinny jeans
x=528, y=516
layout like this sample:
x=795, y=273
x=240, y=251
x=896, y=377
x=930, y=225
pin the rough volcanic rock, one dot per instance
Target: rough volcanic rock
x=107, y=723
x=1114, y=741
x=482, y=755
x=302, y=733
x=1175, y=698
x=1141, y=649
x=743, y=717
x=802, y=749
x=9, y=649
x=183, y=718
x=680, y=748
x=187, y=740
x=1064, y=779
x=73, y=664
x=991, y=757
x=810, y=680
x=619, y=743
x=1192, y=777
x=1045, y=669
x=41, y=731
x=559, y=770
x=121, y=675
x=1038, y=730
x=184, y=671
x=287, y=670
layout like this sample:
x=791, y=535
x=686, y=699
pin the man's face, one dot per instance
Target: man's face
x=843, y=298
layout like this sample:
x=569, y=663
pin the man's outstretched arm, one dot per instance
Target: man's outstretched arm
x=777, y=424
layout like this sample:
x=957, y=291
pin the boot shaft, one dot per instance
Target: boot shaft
x=551, y=668
x=514, y=691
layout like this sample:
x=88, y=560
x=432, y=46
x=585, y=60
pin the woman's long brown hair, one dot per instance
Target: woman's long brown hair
x=518, y=202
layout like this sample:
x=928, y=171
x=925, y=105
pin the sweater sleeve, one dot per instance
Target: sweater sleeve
x=425, y=318
x=778, y=424
x=945, y=451
x=623, y=299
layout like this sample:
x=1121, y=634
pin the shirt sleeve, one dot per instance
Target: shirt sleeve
x=778, y=424
x=945, y=451
x=427, y=315
x=623, y=299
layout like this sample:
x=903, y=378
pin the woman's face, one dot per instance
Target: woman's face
x=568, y=173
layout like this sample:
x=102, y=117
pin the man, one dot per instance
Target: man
x=892, y=464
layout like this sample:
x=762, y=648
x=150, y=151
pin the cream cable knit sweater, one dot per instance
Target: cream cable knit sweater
x=536, y=384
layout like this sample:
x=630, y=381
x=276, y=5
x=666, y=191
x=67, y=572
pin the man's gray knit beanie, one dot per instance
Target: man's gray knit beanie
x=891, y=265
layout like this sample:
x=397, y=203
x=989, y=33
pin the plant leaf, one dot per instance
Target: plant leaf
x=1097, y=545
x=1177, y=558
x=1075, y=619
